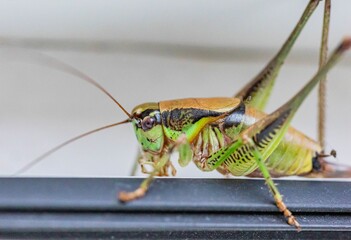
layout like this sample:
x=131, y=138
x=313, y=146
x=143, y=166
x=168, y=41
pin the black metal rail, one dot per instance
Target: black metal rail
x=174, y=208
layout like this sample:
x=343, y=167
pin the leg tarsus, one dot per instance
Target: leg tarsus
x=129, y=196
x=144, y=186
x=287, y=214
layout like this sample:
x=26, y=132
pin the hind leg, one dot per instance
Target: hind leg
x=271, y=185
x=256, y=93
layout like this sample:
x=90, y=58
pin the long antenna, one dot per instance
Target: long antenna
x=55, y=63
x=40, y=158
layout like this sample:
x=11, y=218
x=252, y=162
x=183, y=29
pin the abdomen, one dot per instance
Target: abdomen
x=294, y=154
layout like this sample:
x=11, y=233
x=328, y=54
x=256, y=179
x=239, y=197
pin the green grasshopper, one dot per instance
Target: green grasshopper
x=230, y=134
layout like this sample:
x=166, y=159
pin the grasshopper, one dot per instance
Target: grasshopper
x=229, y=134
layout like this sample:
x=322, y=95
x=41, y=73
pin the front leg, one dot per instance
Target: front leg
x=160, y=169
x=144, y=186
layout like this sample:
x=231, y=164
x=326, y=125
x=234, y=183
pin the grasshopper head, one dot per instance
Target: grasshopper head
x=146, y=120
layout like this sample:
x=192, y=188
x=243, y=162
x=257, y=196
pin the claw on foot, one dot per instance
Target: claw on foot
x=130, y=196
x=287, y=214
x=293, y=222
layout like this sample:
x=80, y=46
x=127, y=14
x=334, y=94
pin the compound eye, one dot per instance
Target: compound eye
x=148, y=123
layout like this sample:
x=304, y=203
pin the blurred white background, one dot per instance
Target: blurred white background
x=144, y=51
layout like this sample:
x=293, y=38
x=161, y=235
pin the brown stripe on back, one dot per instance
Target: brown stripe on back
x=219, y=104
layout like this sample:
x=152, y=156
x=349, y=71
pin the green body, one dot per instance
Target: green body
x=210, y=126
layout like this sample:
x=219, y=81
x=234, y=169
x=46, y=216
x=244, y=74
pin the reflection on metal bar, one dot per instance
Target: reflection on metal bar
x=174, y=208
